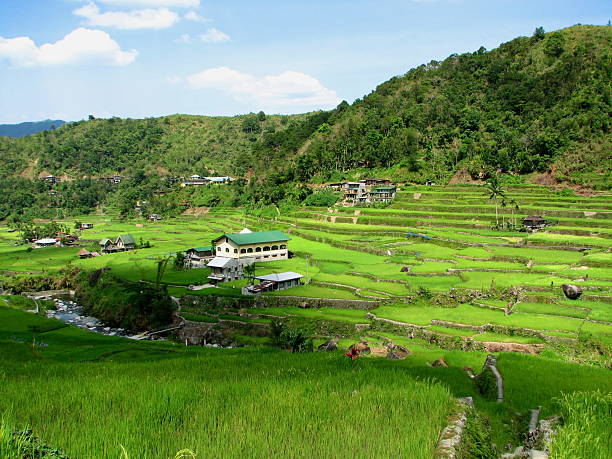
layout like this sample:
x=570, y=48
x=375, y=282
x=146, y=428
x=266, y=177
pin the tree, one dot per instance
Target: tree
x=261, y=116
x=249, y=271
x=179, y=261
x=538, y=33
x=495, y=191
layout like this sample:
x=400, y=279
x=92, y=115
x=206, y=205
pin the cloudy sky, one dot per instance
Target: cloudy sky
x=70, y=58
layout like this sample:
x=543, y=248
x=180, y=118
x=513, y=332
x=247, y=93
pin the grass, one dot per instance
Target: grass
x=244, y=402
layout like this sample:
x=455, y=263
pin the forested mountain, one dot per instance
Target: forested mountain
x=535, y=104
x=28, y=128
x=530, y=105
x=177, y=144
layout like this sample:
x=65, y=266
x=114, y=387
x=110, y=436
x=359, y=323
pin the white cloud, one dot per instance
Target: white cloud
x=137, y=19
x=154, y=3
x=79, y=46
x=214, y=36
x=286, y=89
x=185, y=38
x=193, y=16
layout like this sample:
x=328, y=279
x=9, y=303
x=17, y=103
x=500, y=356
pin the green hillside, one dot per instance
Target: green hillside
x=536, y=108
x=529, y=105
x=177, y=144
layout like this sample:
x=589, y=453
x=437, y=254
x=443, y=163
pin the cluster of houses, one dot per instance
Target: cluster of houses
x=196, y=180
x=366, y=191
x=120, y=244
x=230, y=254
x=59, y=239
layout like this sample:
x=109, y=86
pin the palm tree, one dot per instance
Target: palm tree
x=249, y=271
x=495, y=191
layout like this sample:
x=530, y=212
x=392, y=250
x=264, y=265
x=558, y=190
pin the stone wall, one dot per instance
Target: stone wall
x=277, y=301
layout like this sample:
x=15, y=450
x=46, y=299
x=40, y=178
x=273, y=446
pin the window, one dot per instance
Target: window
x=266, y=248
x=283, y=246
x=274, y=247
x=218, y=249
x=258, y=249
x=266, y=256
x=250, y=250
x=235, y=250
x=227, y=249
x=242, y=251
x=274, y=255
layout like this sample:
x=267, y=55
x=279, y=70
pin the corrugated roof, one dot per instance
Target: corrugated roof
x=127, y=239
x=280, y=277
x=222, y=262
x=208, y=248
x=258, y=237
x=105, y=241
x=46, y=240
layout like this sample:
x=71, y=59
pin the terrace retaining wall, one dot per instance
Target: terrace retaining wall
x=278, y=301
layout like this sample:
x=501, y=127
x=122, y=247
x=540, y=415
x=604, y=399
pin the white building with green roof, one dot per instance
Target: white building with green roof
x=234, y=251
x=260, y=246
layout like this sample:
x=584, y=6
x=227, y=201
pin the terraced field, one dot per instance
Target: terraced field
x=416, y=260
x=432, y=240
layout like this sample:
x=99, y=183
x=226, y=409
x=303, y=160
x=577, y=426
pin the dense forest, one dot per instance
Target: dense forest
x=538, y=104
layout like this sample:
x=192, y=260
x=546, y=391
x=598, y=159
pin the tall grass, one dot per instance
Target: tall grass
x=585, y=433
x=242, y=403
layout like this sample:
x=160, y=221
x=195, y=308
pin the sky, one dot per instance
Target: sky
x=68, y=59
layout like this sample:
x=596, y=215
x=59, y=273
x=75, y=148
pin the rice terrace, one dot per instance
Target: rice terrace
x=423, y=273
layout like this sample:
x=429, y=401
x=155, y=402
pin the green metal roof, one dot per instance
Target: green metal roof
x=208, y=248
x=105, y=241
x=258, y=237
x=127, y=239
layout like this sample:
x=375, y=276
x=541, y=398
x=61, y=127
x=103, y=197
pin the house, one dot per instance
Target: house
x=45, y=242
x=225, y=269
x=125, y=242
x=84, y=253
x=122, y=243
x=382, y=194
x=195, y=181
x=368, y=191
x=234, y=251
x=259, y=246
x=276, y=281
x=107, y=246
x=196, y=256
x=534, y=222
x=219, y=179
x=377, y=182
x=87, y=226
x=50, y=179
x=155, y=217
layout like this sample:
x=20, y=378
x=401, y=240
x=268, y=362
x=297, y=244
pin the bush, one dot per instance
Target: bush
x=292, y=339
x=322, y=199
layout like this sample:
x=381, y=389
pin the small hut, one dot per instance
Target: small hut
x=534, y=222
x=84, y=253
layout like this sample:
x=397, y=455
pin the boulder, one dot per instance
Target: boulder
x=328, y=346
x=439, y=363
x=573, y=292
x=362, y=347
x=395, y=352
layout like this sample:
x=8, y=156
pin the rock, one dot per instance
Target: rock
x=328, y=346
x=396, y=352
x=573, y=292
x=304, y=306
x=362, y=347
x=439, y=363
x=405, y=269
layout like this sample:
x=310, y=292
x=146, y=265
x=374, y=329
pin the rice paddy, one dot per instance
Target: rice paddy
x=462, y=283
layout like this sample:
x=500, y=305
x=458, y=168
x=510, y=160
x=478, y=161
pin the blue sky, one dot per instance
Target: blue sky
x=71, y=58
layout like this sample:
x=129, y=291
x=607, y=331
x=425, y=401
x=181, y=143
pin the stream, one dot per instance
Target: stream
x=71, y=313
